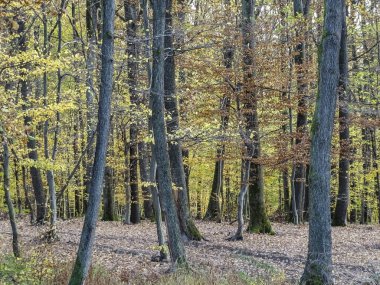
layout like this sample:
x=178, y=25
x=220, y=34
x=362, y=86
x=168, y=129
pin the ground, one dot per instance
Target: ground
x=127, y=249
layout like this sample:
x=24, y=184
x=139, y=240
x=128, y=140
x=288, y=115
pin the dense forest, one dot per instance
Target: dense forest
x=185, y=115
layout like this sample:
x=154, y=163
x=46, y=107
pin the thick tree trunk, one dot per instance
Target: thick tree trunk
x=318, y=266
x=258, y=222
x=83, y=260
x=340, y=216
x=187, y=225
x=177, y=250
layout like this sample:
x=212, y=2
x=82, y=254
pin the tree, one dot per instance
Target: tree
x=299, y=169
x=340, y=215
x=31, y=142
x=131, y=14
x=176, y=248
x=318, y=266
x=259, y=222
x=8, y=199
x=187, y=226
x=83, y=260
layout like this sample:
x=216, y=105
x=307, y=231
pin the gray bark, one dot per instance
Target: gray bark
x=31, y=143
x=83, y=260
x=176, y=248
x=91, y=27
x=340, y=215
x=318, y=266
x=300, y=8
x=187, y=225
x=259, y=222
x=131, y=14
x=8, y=199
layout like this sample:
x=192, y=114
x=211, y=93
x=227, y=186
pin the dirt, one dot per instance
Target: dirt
x=127, y=249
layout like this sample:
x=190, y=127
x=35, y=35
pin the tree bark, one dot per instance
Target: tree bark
x=83, y=260
x=259, y=222
x=187, y=225
x=177, y=250
x=8, y=199
x=300, y=8
x=91, y=28
x=318, y=266
x=131, y=14
x=31, y=142
x=340, y=215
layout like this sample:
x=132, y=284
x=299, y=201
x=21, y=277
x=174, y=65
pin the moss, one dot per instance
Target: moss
x=192, y=231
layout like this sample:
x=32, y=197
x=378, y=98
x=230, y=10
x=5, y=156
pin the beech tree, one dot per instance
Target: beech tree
x=164, y=179
x=83, y=259
x=318, y=266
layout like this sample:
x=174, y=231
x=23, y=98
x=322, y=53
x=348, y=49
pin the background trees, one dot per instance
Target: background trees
x=237, y=100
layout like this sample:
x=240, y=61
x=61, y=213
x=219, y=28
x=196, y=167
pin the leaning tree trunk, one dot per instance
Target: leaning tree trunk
x=12, y=218
x=177, y=250
x=187, y=225
x=340, y=215
x=318, y=266
x=83, y=260
x=259, y=222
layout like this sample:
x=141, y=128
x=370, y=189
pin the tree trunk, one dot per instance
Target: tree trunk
x=177, y=250
x=340, y=216
x=12, y=218
x=131, y=15
x=259, y=222
x=300, y=8
x=187, y=225
x=108, y=196
x=31, y=142
x=83, y=260
x=318, y=266
x=91, y=27
x=144, y=175
x=127, y=181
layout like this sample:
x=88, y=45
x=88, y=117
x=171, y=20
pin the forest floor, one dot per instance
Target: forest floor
x=127, y=250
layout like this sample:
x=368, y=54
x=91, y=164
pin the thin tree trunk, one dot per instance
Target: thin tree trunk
x=187, y=225
x=340, y=216
x=127, y=213
x=176, y=248
x=12, y=218
x=259, y=222
x=131, y=14
x=83, y=260
x=318, y=268
x=26, y=193
x=31, y=142
x=91, y=27
x=300, y=8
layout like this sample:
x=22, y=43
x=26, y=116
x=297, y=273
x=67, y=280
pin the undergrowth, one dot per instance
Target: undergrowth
x=37, y=270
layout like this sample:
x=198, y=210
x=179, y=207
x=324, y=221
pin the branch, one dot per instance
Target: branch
x=61, y=192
